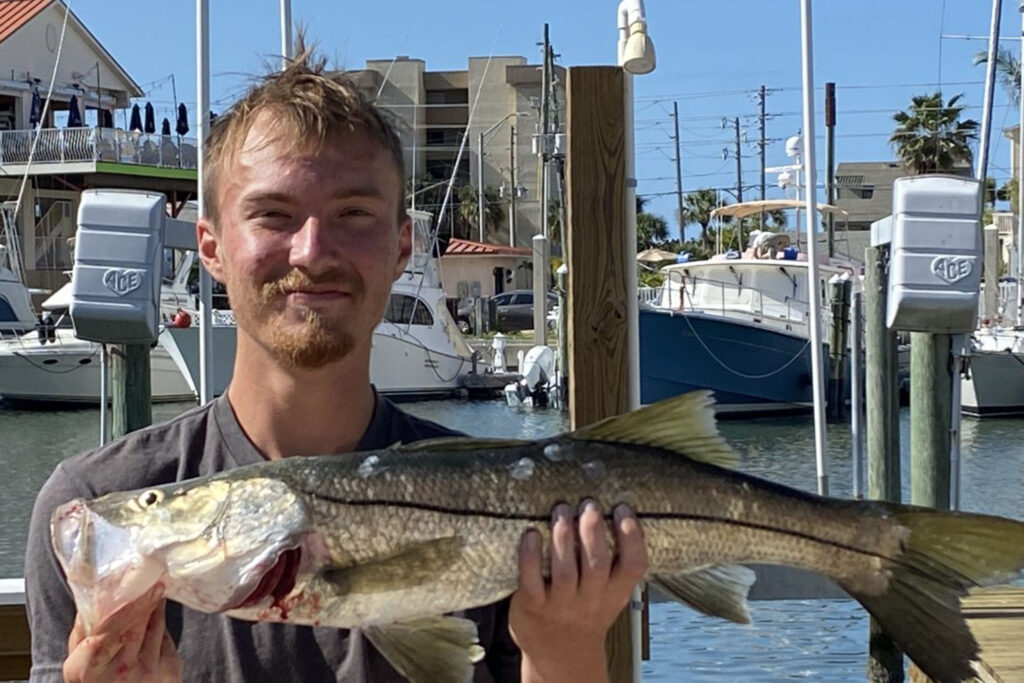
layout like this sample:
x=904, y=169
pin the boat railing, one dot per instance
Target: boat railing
x=69, y=145
x=732, y=300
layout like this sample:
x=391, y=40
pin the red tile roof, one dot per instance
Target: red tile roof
x=16, y=13
x=459, y=247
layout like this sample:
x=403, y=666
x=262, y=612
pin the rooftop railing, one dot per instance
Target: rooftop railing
x=69, y=145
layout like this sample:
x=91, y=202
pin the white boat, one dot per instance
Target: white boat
x=40, y=368
x=16, y=315
x=993, y=382
x=418, y=351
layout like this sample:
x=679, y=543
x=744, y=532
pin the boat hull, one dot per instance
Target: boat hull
x=68, y=372
x=751, y=369
x=994, y=386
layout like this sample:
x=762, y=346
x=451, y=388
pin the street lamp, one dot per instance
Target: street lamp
x=480, y=168
x=635, y=56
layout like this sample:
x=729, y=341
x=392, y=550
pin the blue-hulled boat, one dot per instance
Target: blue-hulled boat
x=738, y=326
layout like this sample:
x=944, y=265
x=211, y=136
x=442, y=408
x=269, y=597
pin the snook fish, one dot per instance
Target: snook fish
x=387, y=542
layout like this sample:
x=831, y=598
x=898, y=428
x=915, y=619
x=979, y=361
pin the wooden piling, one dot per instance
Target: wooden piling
x=885, y=661
x=931, y=391
x=130, y=391
x=597, y=258
x=838, y=368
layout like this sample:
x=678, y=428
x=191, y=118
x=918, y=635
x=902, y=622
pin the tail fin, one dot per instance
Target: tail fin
x=944, y=555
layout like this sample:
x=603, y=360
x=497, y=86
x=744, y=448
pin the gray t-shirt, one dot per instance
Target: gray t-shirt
x=215, y=647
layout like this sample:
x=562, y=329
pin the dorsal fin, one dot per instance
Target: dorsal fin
x=684, y=424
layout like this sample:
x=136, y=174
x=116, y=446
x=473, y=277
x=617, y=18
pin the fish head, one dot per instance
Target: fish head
x=214, y=544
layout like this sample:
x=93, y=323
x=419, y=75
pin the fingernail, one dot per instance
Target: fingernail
x=561, y=512
x=590, y=505
x=531, y=540
x=621, y=512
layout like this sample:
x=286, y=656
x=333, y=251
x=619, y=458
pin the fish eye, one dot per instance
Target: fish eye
x=150, y=498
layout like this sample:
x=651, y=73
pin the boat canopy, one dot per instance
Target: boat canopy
x=744, y=209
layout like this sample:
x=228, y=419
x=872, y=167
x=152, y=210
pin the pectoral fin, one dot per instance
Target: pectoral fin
x=718, y=591
x=430, y=650
x=412, y=566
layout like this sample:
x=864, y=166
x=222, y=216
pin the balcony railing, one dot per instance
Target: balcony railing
x=69, y=145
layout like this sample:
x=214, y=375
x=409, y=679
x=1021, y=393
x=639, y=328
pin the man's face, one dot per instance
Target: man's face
x=307, y=245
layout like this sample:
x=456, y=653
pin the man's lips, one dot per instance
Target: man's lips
x=317, y=296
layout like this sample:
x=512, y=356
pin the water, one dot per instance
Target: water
x=789, y=639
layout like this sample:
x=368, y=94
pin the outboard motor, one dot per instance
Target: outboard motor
x=537, y=370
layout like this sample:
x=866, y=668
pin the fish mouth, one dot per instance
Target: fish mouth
x=278, y=581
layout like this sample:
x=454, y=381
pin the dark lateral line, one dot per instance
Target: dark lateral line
x=509, y=516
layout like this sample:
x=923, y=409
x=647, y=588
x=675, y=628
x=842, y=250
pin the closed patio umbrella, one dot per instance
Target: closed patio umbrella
x=165, y=127
x=106, y=119
x=150, y=118
x=74, y=115
x=182, y=124
x=36, y=112
x=136, y=124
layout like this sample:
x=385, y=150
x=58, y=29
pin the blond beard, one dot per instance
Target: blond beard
x=308, y=345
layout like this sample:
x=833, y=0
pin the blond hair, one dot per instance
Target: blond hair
x=313, y=107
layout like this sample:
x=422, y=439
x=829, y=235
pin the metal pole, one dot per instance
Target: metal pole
x=857, y=396
x=830, y=161
x=512, y=172
x=540, y=275
x=813, y=285
x=986, y=115
x=480, y=183
x=679, y=176
x=286, y=33
x=959, y=341
x=1020, y=189
x=202, y=127
x=542, y=148
x=103, y=394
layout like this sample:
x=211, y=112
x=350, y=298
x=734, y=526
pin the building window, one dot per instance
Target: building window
x=404, y=309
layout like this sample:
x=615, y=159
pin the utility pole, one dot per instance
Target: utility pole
x=739, y=162
x=679, y=175
x=540, y=269
x=480, y=184
x=830, y=162
x=761, y=144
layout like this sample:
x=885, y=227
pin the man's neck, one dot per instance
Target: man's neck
x=301, y=412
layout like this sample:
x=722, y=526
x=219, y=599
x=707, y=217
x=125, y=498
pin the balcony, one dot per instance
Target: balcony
x=91, y=145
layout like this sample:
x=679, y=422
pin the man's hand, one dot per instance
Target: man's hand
x=130, y=645
x=561, y=626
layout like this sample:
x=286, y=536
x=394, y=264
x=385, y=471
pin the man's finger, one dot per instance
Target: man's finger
x=531, y=575
x=128, y=625
x=564, y=563
x=631, y=562
x=77, y=634
x=170, y=663
x=595, y=555
x=149, y=652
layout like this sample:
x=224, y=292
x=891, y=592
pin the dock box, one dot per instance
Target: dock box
x=115, y=285
x=935, y=266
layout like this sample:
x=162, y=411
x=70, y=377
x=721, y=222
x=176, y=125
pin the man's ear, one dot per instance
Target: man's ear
x=209, y=249
x=404, y=246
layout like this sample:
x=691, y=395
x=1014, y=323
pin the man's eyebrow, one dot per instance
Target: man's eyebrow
x=267, y=196
x=350, y=192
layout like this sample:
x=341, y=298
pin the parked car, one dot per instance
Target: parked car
x=514, y=311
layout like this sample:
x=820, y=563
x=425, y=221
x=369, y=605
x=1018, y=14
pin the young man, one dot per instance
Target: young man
x=306, y=228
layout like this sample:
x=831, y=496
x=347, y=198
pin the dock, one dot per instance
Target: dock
x=996, y=617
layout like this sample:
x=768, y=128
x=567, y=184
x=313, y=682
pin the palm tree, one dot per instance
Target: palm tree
x=697, y=208
x=469, y=210
x=930, y=137
x=650, y=229
x=1008, y=68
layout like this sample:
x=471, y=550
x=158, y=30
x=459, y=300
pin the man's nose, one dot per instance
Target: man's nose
x=313, y=245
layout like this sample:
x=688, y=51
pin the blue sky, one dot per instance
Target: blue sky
x=712, y=57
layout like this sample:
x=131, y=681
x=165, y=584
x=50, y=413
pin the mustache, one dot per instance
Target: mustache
x=297, y=279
